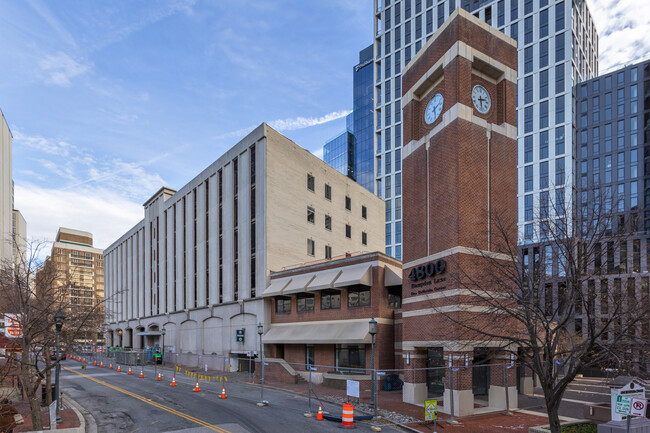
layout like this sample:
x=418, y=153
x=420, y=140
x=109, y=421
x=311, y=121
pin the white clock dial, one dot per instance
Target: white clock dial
x=434, y=108
x=481, y=99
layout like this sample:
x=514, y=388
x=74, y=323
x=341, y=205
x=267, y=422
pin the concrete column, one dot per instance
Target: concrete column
x=497, y=391
x=200, y=247
x=214, y=241
x=415, y=387
x=462, y=385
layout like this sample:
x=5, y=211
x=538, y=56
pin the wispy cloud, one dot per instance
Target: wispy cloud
x=60, y=68
x=72, y=168
x=622, y=33
x=290, y=124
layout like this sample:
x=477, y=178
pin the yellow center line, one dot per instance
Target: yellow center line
x=153, y=403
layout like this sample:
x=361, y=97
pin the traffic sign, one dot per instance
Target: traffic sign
x=639, y=406
x=623, y=404
x=430, y=410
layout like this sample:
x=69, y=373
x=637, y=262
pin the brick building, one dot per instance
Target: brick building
x=320, y=314
x=460, y=172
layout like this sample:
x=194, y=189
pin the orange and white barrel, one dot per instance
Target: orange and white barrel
x=347, y=418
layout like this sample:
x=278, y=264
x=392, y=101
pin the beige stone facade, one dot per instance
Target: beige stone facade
x=6, y=190
x=199, y=261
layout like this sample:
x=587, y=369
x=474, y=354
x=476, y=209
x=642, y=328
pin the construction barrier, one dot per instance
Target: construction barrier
x=347, y=417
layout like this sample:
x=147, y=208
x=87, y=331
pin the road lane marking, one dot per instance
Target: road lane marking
x=153, y=403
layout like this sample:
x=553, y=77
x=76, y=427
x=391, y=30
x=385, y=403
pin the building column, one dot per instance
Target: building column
x=461, y=378
x=414, y=390
x=499, y=369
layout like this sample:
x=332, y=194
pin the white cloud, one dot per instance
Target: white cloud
x=623, y=26
x=318, y=152
x=104, y=213
x=42, y=144
x=60, y=68
x=290, y=124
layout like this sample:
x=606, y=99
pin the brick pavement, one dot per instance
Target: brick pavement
x=69, y=418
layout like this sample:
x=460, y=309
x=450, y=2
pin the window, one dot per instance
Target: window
x=330, y=300
x=528, y=178
x=282, y=304
x=394, y=297
x=543, y=174
x=559, y=47
x=364, y=212
x=559, y=16
x=528, y=119
x=311, y=246
x=514, y=28
x=305, y=302
x=348, y=231
x=543, y=84
x=328, y=222
x=543, y=145
x=559, y=171
x=528, y=89
x=543, y=114
x=528, y=149
x=328, y=192
x=528, y=60
x=311, y=215
x=309, y=352
x=543, y=54
x=559, y=109
x=528, y=207
x=348, y=203
x=559, y=79
x=350, y=356
x=543, y=23
x=528, y=30
x=310, y=182
x=364, y=238
x=359, y=296
x=328, y=252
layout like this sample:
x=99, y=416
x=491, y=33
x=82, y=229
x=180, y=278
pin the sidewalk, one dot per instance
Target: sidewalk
x=72, y=420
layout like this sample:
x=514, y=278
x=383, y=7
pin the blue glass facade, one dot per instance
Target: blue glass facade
x=352, y=152
x=339, y=151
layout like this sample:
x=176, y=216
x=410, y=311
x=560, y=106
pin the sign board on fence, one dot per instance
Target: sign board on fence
x=638, y=407
x=623, y=404
x=430, y=409
x=53, y=415
x=353, y=388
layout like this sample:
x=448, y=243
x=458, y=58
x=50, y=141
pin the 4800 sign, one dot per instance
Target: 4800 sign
x=428, y=270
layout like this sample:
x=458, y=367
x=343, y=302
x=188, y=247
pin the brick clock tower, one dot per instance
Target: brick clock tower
x=460, y=174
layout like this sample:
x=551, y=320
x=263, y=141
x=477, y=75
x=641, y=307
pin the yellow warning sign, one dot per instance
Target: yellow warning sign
x=430, y=410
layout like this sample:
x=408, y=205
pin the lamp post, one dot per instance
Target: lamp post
x=59, y=317
x=372, y=330
x=260, y=331
x=164, y=331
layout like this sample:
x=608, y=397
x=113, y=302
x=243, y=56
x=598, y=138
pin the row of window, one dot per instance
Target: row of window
x=560, y=175
x=543, y=115
x=358, y=296
x=328, y=195
x=311, y=244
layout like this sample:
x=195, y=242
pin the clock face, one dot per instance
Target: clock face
x=481, y=99
x=434, y=108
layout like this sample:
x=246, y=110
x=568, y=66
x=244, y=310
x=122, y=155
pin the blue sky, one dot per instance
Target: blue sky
x=108, y=101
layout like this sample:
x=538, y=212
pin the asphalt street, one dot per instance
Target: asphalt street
x=122, y=403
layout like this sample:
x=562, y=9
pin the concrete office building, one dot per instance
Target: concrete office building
x=351, y=152
x=557, y=48
x=199, y=261
x=6, y=191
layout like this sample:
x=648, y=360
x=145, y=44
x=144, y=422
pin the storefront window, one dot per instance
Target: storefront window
x=282, y=304
x=350, y=357
x=359, y=296
x=395, y=297
x=330, y=300
x=305, y=302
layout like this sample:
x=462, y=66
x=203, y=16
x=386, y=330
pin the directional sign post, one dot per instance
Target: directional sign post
x=623, y=404
x=431, y=412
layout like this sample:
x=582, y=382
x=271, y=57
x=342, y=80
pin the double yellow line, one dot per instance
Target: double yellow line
x=151, y=402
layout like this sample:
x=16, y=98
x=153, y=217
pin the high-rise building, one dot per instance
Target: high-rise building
x=6, y=191
x=18, y=235
x=351, y=152
x=199, y=262
x=557, y=48
x=81, y=265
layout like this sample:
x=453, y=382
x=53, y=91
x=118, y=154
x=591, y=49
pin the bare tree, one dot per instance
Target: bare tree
x=545, y=301
x=34, y=291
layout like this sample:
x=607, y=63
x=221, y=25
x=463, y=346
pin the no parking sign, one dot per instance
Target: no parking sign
x=638, y=407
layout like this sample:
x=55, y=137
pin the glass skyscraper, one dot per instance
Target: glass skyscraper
x=351, y=152
x=557, y=46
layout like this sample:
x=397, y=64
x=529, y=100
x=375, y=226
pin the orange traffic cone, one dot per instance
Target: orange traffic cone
x=174, y=381
x=223, y=392
x=130, y=370
x=141, y=373
x=319, y=417
x=110, y=366
x=95, y=364
x=159, y=376
x=118, y=368
x=196, y=388
x=101, y=364
x=84, y=360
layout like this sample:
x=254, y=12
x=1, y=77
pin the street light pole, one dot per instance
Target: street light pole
x=260, y=331
x=59, y=317
x=163, y=346
x=372, y=330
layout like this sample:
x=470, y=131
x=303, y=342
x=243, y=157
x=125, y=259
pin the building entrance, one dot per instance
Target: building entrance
x=481, y=372
x=435, y=371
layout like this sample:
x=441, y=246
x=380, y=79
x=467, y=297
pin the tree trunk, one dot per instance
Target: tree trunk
x=30, y=384
x=553, y=418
